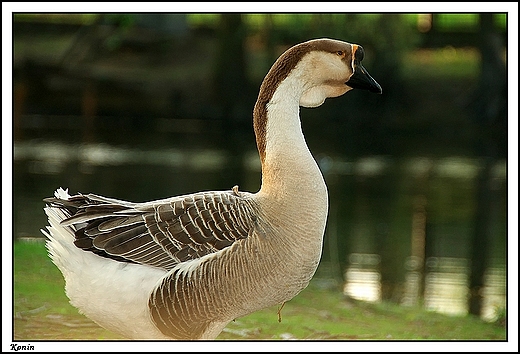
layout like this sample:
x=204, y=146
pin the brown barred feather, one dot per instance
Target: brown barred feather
x=161, y=233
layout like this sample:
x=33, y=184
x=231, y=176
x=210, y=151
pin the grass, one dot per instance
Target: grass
x=42, y=312
x=41, y=308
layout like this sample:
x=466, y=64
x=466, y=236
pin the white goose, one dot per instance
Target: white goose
x=184, y=267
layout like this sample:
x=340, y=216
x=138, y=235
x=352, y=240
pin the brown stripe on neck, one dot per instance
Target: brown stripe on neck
x=278, y=72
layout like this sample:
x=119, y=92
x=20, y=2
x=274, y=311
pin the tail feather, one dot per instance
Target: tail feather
x=59, y=238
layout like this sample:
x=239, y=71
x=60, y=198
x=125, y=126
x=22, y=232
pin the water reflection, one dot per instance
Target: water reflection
x=494, y=293
x=405, y=222
x=362, y=278
x=445, y=285
x=53, y=157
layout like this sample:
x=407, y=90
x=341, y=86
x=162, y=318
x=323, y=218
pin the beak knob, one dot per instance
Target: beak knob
x=360, y=78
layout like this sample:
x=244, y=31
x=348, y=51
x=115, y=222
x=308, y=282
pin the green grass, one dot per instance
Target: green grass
x=41, y=308
x=42, y=311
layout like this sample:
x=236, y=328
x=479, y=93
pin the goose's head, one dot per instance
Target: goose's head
x=305, y=75
x=327, y=68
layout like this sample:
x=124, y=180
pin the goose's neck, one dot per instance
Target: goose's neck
x=287, y=164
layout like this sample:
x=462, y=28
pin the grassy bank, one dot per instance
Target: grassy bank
x=42, y=312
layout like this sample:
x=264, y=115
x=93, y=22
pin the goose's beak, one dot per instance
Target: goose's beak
x=361, y=79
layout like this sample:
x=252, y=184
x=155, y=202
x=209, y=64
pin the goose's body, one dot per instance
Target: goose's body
x=184, y=267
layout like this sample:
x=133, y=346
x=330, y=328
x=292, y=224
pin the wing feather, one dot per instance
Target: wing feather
x=162, y=233
x=120, y=221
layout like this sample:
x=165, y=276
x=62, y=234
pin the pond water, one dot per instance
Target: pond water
x=398, y=229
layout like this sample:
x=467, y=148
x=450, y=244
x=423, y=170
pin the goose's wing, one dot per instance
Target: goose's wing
x=162, y=233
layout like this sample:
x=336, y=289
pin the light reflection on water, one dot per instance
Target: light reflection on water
x=494, y=293
x=52, y=157
x=444, y=283
x=362, y=280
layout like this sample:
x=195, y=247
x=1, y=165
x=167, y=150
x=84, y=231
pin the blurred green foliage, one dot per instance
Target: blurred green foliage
x=470, y=22
x=455, y=21
x=83, y=19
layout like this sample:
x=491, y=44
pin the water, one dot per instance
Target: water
x=398, y=229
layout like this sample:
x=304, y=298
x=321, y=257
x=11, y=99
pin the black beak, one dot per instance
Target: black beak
x=361, y=79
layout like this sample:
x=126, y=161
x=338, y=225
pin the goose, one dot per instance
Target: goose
x=185, y=266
